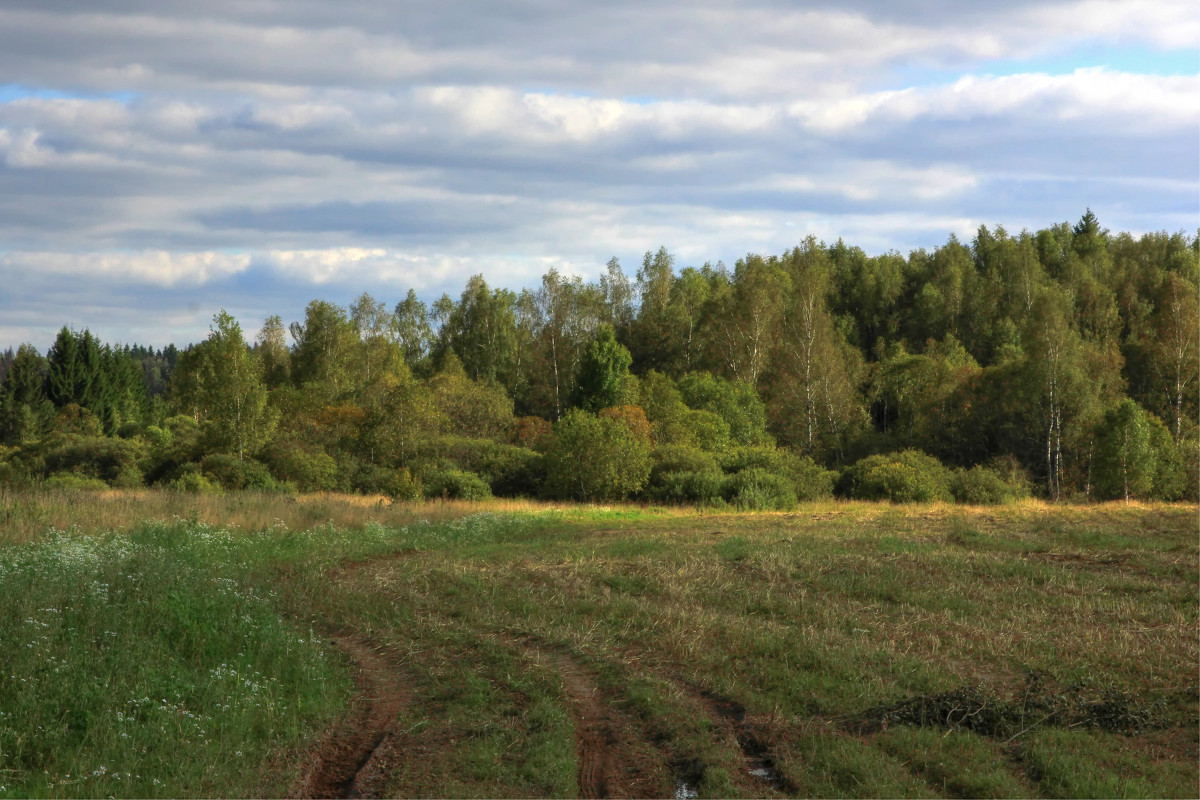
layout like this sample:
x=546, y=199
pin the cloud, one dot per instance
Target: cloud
x=1122, y=101
x=171, y=155
x=158, y=268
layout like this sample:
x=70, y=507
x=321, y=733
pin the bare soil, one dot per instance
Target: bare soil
x=351, y=760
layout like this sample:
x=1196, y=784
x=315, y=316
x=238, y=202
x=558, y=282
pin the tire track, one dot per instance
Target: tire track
x=347, y=763
x=612, y=758
x=747, y=731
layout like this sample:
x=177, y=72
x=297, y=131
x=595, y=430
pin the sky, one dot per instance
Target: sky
x=160, y=161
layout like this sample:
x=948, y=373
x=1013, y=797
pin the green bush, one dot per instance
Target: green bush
x=702, y=488
x=756, y=489
x=109, y=460
x=1188, y=450
x=909, y=476
x=735, y=402
x=594, y=458
x=509, y=470
x=192, y=479
x=981, y=486
x=681, y=458
x=235, y=474
x=14, y=474
x=398, y=484
x=809, y=480
x=684, y=475
x=129, y=478
x=307, y=467
x=455, y=484
x=129, y=430
x=1170, y=464
x=73, y=481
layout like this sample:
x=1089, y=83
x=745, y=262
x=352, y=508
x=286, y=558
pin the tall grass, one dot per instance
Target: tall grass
x=146, y=665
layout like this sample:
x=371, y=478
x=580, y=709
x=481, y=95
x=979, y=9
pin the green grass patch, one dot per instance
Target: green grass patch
x=160, y=652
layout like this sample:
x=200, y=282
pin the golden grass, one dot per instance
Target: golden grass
x=27, y=514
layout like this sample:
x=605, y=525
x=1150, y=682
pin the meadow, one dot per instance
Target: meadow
x=157, y=644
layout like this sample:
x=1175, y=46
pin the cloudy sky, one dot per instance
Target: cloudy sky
x=161, y=160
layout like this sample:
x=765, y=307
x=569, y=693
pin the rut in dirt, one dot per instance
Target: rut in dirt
x=757, y=757
x=352, y=759
x=613, y=759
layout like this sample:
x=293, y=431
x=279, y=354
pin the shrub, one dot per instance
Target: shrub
x=734, y=401
x=110, y=460
x=74, y=481
x=909, y=476
x=233, y=473
x=13, y=474
x=129, y=478
x=707, y=429
x=455, y=484
x=679, y=458
x=398, y=484
x=1189, y=461
x=192, y=479
x=1170, y=464
x=591, y=458
x=307, y=467
x=683, y=474
x=809, y=480
x=128, y=430
x=510, y=471
x=632, y=417
x=704, y=488
x=982, y=486
x=756, y=489
x=1124, y=466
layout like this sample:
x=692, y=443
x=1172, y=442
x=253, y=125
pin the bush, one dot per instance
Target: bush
x=736, y=402
x=684, y=475
x=531, y=432
x=591, y=458
x=680, y=458
x=1189, y=460
x=110, y=460
x=1170, y=464
x=129, y=430
x=398, y=484
x=235, y=474
x=455, y=484
x=510, y=471
x=981, y=486
x=756, y=489
x=906, y=477
x=74, y=481
x=13, y=474
x=809, y=480
x=703, y=488
x=192, y=479
x=307, y=467
x=129, y=478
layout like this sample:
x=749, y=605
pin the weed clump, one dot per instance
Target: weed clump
x=975, y=709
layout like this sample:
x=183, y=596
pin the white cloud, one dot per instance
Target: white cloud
x=155, y=267
x=1123, y=100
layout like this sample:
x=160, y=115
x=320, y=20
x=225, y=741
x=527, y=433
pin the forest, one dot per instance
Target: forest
x=1061, y=364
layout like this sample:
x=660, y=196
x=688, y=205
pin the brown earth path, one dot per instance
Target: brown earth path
x=614, y=758
x=347, y=762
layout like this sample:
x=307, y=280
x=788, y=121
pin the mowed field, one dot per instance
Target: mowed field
x=156, y=644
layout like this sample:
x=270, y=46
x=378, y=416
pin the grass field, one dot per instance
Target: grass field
x=174, y=645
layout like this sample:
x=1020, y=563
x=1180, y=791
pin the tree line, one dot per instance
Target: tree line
x=1062, y=362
